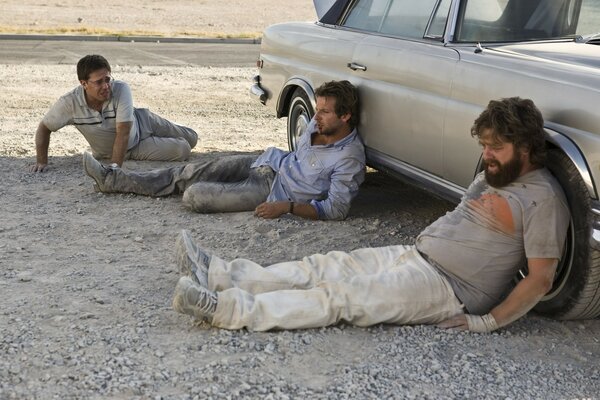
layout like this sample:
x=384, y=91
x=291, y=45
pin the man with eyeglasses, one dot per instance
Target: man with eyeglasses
x=318, y=180
x=101, y=108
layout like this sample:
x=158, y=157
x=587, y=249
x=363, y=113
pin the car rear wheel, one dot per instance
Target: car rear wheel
x=575, y=293
x=299, y=115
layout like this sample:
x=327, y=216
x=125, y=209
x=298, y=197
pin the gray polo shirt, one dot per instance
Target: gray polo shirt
x=99, y=129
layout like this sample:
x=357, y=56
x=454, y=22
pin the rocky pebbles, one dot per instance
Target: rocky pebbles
x=86, y=279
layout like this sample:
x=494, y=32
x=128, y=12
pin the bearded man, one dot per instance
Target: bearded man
x=318, y=180
x=459, y=274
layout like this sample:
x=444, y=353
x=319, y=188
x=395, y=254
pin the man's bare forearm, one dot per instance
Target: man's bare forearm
x=121, y=141
x=305, y=210
x=528, y=292
x=525, y=295
x=42, y=143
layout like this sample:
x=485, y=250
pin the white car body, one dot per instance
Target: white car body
x=425, y=70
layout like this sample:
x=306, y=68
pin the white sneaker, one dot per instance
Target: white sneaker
x=192, y=260
x=193, y=299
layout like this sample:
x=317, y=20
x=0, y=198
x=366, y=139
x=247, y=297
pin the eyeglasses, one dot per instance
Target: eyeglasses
x=107, y=80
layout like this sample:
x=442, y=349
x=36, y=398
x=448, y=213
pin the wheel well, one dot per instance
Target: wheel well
x=283, y=104
x=556, y=140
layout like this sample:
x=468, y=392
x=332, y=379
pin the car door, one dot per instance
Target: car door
x=313, y=53
x=406, y=75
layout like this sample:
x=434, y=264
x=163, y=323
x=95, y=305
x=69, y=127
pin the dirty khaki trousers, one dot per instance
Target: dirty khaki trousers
x=369, y=286
x=226, y=184
x=159, y=140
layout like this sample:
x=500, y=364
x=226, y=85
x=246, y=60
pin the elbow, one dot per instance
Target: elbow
x=546, y=285
x=541, y=285
x=329, y=213
x=336, y=214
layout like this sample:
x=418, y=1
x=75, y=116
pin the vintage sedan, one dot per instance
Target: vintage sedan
x=425, y=70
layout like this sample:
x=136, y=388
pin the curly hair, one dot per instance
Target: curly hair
x=346, y=98
x=89, y=64
x=517, y=121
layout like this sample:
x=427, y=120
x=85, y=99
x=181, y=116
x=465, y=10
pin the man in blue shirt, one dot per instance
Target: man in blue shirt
x=318, y=180
x=459, y=274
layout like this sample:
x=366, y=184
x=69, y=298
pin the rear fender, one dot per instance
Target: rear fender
x=572, y=151
x=283, y=103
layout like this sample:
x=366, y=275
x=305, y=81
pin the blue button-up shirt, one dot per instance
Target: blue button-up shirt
x=326, y=176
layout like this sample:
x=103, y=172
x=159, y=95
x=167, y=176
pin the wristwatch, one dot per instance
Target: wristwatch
x=113, y=165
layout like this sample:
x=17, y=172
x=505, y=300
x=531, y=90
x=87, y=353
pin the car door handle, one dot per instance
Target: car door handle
x=354, y=66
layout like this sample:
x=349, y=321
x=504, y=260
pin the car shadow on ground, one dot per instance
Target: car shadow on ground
x=382, y=193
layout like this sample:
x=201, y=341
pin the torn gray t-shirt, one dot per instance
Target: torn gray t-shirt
x=481, y=245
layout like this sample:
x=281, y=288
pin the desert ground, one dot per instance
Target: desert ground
x=86, y=279
x=235, y=18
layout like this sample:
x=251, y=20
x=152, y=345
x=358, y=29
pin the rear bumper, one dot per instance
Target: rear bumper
x=258, y=91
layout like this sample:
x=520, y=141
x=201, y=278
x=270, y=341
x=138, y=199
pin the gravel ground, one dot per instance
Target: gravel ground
x=87, y=278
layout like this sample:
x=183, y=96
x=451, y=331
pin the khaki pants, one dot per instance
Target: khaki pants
x=369, y=286
x=160, y=139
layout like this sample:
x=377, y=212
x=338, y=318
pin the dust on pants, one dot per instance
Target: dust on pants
x=175, y=180
x=246, y=195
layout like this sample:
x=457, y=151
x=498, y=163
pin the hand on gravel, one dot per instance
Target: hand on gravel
x=271, y=209
x=38, y=167
x=474, y=323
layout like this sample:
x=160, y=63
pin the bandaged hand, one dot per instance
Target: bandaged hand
x=481, y=323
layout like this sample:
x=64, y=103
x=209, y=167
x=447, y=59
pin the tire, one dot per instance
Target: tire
x=299, y=115
x=575, y=293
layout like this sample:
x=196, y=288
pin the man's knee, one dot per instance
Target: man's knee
x=184, y=150
x=191, y=137
x=161, y=149
x=263, y=176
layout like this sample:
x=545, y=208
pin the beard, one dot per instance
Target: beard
x=327, y=131
x=505, y=174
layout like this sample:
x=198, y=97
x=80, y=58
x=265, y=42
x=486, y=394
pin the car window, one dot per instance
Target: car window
x=367, y=15
x=588, y=22
x=519, y=20
x=485, y=10
x=406, y=18
x=438, y=23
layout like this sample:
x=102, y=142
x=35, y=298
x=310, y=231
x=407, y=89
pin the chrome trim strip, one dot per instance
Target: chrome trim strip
x=595, y=239
x=430, y=20
x=574, y=154
x=414, y=176
x=451, y=22
x=595, y=236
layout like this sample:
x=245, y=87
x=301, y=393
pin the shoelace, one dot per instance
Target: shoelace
x=207, y=302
